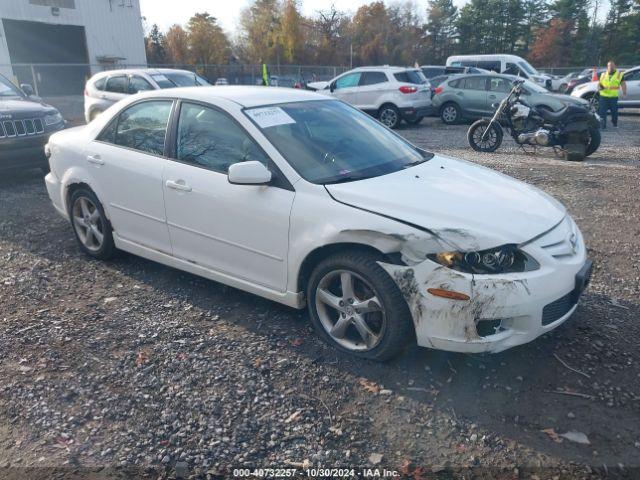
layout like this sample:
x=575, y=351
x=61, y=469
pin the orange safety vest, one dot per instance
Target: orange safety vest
x=610, y=84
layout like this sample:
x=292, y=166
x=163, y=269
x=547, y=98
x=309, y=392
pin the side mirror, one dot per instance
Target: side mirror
x=332, y=87
x=249, y=173
x=27, y=89
x=495, y=105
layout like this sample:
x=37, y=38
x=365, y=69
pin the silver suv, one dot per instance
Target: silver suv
x=106, y=88
x=391, y=94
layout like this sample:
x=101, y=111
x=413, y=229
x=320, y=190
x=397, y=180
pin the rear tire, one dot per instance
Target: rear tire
x=90, y=225
x=450, y=113
x=338, y=306
x=492, y=141
x=389, y=115
x=594, y=144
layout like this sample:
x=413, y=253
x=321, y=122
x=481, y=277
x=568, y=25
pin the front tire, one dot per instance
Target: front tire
x=356, y=307
x=90, y=225
x=492, y=140
x=594, y=143
x=389, y=115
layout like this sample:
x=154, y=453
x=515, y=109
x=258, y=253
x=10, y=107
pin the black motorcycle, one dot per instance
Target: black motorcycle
x=574, y=131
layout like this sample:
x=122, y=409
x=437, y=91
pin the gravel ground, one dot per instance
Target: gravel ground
x=128, y=368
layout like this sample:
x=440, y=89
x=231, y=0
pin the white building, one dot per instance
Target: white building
x=36, y=36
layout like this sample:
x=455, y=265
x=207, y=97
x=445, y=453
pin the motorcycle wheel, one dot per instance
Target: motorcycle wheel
x=492, y=141
x=594, y=144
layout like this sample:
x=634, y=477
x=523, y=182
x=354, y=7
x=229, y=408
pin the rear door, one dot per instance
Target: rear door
x=472, y=95
x=499, y=88
x=127, y=160
x=371, y=87
x=346, y=88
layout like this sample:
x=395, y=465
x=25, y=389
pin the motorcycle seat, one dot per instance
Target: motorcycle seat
x=565, y=111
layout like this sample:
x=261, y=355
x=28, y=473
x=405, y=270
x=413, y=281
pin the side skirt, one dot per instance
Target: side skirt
x=291, y=299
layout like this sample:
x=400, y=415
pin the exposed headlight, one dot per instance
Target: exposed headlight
x=53, y=118
x=504, y=259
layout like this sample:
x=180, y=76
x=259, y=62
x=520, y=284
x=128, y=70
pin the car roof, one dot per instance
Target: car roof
x=383, y=67
x=245, y=96
x=148, y=71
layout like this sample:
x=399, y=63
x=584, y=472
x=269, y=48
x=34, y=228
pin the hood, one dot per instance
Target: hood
x=16, y=108
x=317, y=85
x=568, y=100
x=468, y=206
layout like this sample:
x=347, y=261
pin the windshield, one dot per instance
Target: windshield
x=178, y=79
x=327, y=141
x=8, y=89
x=528, y=68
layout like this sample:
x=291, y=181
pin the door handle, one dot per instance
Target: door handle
x=95, y=159
x=492, y=96
x=178, y=185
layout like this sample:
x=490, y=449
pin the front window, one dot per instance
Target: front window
x=534, y=87
x=348, y=81
x=208, y=138
x=8, y=89
x=329, y=142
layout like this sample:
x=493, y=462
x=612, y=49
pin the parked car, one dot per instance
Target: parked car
x=431, y=71
x=585, y=76
x=560, y=84
x=310, y=202
x=25, y=125
x=106, y=88
x=508, y=64
x=221, y=81
x=631, y=77
x=472, y=96
x=391, y=94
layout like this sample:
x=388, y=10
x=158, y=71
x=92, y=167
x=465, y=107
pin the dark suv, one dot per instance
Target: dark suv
x=25, y=125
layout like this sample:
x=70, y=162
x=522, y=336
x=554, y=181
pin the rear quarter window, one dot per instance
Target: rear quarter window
x=100, y=83
x=411, y=76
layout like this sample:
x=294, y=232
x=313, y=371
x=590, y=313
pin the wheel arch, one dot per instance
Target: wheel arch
x=315, y=256
x=73, y=183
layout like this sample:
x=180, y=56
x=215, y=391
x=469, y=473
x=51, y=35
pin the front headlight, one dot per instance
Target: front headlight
x=504, y=259
x=53, y=119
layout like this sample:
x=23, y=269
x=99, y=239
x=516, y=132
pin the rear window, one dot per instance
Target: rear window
x=431, y=72
x=411, y=76
x=475, y=83
x=117, y=84
x=178, y=79
x=373, y=78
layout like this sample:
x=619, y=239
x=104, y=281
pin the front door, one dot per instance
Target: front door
x=241, y=231
x=127, y=159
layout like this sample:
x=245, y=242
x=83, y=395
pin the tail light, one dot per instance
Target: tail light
x=437, y=90
x=408, y=89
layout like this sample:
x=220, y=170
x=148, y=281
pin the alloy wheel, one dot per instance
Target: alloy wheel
x=389, y=117
x=350, y=310
x=449, y=114
x=88, y=223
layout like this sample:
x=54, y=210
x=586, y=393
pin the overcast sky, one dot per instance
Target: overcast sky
x=166, y=13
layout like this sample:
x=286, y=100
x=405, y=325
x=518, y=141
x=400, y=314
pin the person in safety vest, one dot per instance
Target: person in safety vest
x=609, y=88
x=265, y=75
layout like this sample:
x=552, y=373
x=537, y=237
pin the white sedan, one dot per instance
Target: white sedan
x=306, y=201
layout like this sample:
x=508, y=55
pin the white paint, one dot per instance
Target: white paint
x=256, y=237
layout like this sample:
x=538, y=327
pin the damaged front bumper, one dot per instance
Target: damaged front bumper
x=503, y=310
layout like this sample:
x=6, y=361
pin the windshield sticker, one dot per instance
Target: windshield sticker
x=270, y=117
x=160, y=78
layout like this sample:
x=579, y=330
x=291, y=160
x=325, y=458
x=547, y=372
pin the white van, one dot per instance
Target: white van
x=510, y=64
